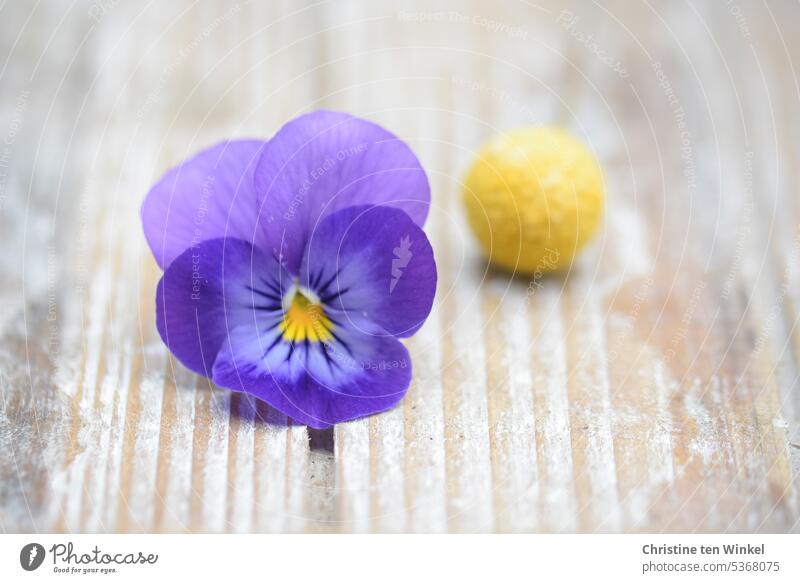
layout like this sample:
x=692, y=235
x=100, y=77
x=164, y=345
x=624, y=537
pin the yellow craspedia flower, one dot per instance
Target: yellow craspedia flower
x=534, y=198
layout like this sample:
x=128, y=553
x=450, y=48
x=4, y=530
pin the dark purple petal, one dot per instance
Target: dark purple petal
x=373, y=262
x=325, y=161
x=211, y=289
x=210, y=195
x=360, y=372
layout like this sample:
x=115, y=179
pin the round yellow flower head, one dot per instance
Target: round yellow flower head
x=534, y=198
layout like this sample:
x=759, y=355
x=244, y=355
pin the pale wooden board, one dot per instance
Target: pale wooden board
x=653, y=388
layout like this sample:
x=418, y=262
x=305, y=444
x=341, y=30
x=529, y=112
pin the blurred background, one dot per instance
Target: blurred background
x=653, y=387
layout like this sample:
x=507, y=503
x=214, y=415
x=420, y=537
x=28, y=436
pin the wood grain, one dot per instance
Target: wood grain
x=654, y=387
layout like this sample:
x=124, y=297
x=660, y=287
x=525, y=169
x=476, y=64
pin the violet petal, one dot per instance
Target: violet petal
x=375, y=262
x=360, y=372
x=211, y=289
x=210, y=195
x=325, y=161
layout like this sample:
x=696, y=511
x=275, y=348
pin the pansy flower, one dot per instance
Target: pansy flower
x=292, y=266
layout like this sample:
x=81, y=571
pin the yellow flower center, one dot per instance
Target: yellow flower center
x=305, y=320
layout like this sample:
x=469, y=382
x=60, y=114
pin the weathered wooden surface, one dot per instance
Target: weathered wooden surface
x=652, y=388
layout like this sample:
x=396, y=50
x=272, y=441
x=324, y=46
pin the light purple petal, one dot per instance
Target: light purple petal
x=210, y=195
x=361, y=372
x=373, y=262
x=210, y=290
x=325, y=161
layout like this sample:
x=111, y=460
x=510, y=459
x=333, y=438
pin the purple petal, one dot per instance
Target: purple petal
x=360, y=372
x=209, y=196
x=325, y=161
x=211, y=289
x=373, y=262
